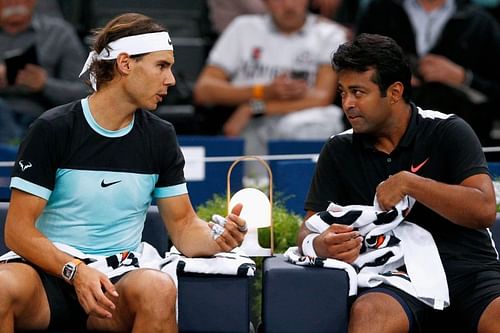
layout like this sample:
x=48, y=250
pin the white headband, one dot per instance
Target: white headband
x=132, y=45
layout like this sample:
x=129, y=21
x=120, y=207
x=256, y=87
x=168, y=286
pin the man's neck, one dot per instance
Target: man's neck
x=388, y=139
x=109, y=113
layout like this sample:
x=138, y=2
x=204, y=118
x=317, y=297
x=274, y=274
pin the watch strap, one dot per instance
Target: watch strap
x=258, y=107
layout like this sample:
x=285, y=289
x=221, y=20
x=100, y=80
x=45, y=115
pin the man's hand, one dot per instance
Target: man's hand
x=33, y=77
x=436, y=68
x=393, y=189
x=235, y=229
x=285, y=88
x=89, y=285
x=339, y=242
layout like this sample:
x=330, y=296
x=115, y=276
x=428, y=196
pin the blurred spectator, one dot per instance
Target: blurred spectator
x=341, y=11
x=9, y=131
x=222, y=12
x=274, y=71
x=60, y=55
x=454, y=49
x=327, y=8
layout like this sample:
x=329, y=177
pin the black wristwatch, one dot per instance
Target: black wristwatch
x=69, y=270
x=258, y=107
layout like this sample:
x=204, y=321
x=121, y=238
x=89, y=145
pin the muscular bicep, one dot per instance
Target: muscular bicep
x=483, y=184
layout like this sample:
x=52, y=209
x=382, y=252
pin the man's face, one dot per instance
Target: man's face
x=288, y=15
x=366, y=110
x=15, y=15
x=150, y=78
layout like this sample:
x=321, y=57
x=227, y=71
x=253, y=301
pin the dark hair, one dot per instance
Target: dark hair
x=381, y=53
x=129, y=24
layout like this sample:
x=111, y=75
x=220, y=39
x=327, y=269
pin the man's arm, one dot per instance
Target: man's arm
x=283, y=95
x=470, y=204
x=191, y=235
x=23, y=237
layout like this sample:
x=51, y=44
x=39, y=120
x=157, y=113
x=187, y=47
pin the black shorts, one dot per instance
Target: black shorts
x=65, y=309
x=469, y=296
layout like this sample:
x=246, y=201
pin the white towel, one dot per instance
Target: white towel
x=146, y=256
x=389, y=243
x=227, y=263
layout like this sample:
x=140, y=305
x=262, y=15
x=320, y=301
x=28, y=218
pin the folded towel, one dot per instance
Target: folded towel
x=227, y=263
x=394, y=251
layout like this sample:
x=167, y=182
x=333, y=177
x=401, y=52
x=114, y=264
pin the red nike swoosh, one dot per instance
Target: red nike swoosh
x=414, y=169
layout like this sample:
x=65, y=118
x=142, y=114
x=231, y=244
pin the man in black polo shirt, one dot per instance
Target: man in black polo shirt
x=395, y=149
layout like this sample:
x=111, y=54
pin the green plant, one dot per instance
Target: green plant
x=285, y=224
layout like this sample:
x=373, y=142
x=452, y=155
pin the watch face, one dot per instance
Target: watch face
x=69, y=271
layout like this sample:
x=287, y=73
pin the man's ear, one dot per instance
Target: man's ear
x=395, y=92
x=123, y=62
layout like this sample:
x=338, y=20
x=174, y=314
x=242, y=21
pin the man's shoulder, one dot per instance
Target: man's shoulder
x=64, y=108
x=435, y=118
x=432, y=114
x=152, y=122
x=347, y=134
x=59, y=114
x=341, y=139
x=436, y=125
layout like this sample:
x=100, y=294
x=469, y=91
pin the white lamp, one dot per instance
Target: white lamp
x=257, y=212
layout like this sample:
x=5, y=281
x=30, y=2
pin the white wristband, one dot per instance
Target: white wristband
x=308, y=246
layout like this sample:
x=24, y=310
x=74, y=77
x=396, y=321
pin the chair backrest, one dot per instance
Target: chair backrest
x=292, y=180
x=4, y=206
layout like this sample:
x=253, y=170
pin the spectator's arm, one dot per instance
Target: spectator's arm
x=321, y=94
x=213, y=87
x=65, y=85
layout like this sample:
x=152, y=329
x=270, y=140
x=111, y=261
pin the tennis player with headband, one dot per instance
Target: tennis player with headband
x=84, y=178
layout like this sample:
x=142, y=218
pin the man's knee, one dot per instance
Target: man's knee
x=379, y=309
x=151, y=289
x=22, y=296
x=18, y=282
x=366, y=307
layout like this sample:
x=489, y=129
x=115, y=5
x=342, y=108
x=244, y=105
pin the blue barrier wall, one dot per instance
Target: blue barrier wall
x=293, y=177
x=215, y=173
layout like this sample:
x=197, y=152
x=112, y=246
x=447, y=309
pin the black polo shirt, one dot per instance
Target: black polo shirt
x=437, y=146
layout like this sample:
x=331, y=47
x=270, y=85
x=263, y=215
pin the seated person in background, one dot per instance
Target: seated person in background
x=222, y=12
x=82, y=183
x=9, y=131
x=454, y=49
x=396, y=149
x=274, y=71
x=60, y=54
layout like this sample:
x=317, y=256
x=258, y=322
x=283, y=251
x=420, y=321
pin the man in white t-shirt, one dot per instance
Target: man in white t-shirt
x=275, y=71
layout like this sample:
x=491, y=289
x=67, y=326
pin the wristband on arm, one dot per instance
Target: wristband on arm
x=308, y=246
